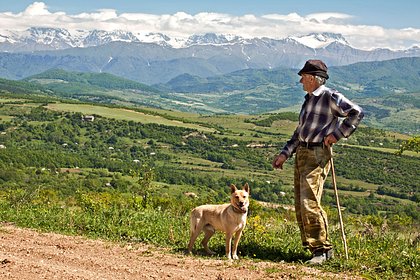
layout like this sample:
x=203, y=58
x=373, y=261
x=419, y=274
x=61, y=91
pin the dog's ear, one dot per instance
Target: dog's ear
x=233, y=188
x=246, y=188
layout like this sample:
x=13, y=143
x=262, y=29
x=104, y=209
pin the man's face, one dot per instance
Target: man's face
x=309, y=83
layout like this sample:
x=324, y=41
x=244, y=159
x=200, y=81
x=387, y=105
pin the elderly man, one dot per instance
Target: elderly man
x=319, y=127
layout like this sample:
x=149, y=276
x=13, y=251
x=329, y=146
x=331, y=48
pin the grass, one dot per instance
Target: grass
x=387, y=150
x=234, y=125
x=378, y=248
x=123, y=114
x=9, y=100
x=6, y=118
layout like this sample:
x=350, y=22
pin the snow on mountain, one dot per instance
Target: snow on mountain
x=212, y=39
x=100, y=37
x=155, y=38
x=3, y=38
x=41, y=38
x=193, y=40
x=414, y=50
x=38, y=38
x=56, y=38
x=320, y=40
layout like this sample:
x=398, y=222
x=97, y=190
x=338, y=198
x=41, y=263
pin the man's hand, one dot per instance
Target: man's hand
x=279, y=160
x=330, y=140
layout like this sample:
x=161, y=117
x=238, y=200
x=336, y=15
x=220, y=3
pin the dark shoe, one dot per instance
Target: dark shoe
x=320, y=257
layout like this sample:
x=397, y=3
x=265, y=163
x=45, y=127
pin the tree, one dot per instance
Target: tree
x=145, y=175
x=412, y=144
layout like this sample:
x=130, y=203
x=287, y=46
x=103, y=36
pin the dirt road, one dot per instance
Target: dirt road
x=28, y=254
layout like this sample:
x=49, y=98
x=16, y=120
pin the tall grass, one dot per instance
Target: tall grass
x=378, y=248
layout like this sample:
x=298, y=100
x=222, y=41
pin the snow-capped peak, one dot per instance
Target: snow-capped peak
x=320, y=40
x=212, y=39
x=100, y=37
x=55, y=38
x=42, y=38
x=156, y=38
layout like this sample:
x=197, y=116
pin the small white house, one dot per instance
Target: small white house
x=88, y=118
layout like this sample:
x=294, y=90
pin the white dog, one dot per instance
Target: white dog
x=229, y=218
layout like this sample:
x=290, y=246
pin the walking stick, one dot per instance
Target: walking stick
x=343, y=235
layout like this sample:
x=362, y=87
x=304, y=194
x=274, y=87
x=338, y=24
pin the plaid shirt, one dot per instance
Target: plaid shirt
x=319, y=117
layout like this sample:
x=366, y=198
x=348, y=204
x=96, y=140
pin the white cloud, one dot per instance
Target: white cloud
x=36, y=9
x=330, y=18
x=182, y=24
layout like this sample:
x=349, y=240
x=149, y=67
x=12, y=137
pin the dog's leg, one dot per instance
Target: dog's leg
x=229, y=244
x=193, y=237
x=208, y=233
x=238, y=235
x=195, y=228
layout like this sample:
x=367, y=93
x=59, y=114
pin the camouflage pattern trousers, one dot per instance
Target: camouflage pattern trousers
x=311, y=169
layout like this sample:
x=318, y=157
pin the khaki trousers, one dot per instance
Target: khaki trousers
x=311, y=169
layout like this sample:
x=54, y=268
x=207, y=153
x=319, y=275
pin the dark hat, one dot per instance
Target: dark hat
x=315, y=67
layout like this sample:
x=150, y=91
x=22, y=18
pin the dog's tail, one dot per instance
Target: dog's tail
x=194, y=219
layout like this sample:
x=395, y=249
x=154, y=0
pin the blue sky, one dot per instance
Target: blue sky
x=365, y=24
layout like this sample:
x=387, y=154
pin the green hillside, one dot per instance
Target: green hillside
x=388, y=91
x=222, y=144
x=124, y=176
x=368, y=78
x=235, y=81
x=91, y=87
x=73, y=79
x=380, y=78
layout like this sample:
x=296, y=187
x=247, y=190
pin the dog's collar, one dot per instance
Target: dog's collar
x=237, y=210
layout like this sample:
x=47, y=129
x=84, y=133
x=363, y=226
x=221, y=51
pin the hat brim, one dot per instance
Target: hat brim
x=314, y=73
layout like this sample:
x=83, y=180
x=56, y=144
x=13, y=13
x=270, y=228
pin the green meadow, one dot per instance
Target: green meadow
x=125, y=175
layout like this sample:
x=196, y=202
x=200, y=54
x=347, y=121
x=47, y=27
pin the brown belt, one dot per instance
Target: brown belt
x=310, y=145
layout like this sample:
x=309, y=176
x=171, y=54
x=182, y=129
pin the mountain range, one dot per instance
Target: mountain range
x=155, y=58
x=208, y=73
x=42, y=38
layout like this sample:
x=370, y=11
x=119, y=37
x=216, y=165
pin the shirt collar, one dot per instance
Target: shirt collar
x=318, y=91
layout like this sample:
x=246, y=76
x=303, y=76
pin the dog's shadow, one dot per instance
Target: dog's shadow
x=254, y=251
x=202, y=253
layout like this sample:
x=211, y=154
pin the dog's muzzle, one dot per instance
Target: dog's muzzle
x=242, y=207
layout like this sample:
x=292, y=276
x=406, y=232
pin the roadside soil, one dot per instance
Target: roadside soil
x=30, y=254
